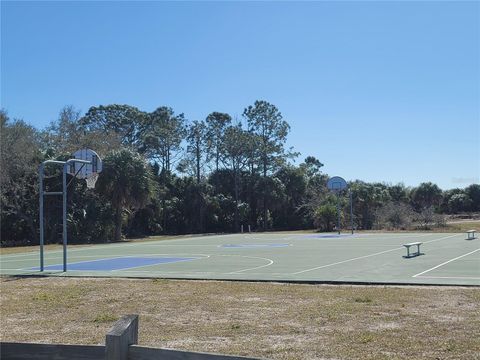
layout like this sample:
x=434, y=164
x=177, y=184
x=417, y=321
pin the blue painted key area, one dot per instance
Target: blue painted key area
x=252, y=246
x=122, y=263
x=331, y=236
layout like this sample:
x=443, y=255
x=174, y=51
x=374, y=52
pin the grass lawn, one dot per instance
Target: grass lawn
x=463, y=226
x=276, y=321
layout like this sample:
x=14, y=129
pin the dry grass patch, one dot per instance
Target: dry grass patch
x=277, y=321
x=463, y=226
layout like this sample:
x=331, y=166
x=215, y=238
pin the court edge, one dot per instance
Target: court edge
x=296, y=282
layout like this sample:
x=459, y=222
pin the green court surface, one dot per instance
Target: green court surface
x=446, y=259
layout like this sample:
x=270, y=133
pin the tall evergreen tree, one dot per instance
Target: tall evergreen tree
x=266, y=122
x=196, y=148
x=216, y=122
x=163, y=135
x=69, y=133
x=125, y=121
x=19, y=158
x=426, y=195
x=234, y=150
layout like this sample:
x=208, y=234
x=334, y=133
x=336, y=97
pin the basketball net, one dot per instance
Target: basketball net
x=91, y=180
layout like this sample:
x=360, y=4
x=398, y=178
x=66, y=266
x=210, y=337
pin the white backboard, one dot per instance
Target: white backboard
x=83, y=171
x=336, y=183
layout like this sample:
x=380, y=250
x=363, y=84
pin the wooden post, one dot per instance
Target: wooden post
x=123, y=334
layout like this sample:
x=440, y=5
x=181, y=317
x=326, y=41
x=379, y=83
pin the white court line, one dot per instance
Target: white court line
x=73, y=263
x=196, y=257
x=159, y=273
x=372, y=237
x=344, y=261
x=252, y=246
x=254, y=268
x=141, y=266
x=189, y=245
x=397, y=235
x=82, y=248
x=450, y=277
x=446, y=262
x=36, y=253
x=248, y=257
x=73, y=257
x=365, y=256
x=112, y=245
x=30, y=253
x=248, y=269
x=267, y=239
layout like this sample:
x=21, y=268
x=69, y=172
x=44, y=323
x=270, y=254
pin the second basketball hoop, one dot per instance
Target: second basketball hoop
x=336, y=184
x=90, y=171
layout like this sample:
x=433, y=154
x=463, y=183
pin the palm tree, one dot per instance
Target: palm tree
x=127, y=181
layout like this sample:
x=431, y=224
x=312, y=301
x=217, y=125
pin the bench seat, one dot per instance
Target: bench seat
x=416, y=253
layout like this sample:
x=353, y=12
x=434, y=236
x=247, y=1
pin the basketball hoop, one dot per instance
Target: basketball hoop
x=85, y=164
x=336, y=184
x=91, y=180
x=88, y=171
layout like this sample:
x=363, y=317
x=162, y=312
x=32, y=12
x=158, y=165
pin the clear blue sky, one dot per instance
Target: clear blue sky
x=379, y=91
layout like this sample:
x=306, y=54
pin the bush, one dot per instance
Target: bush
x=394, y=216
x=425, y=218
x=325, y=217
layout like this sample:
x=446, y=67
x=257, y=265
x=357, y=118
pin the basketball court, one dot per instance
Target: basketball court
x=370, y=257
x=445, y=259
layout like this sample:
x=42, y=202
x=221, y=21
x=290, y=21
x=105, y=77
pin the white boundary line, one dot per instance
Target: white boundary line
x=254, y=268
x=189, y=245
x=59, y=256
x=114, y=245
x=365, y=256
x=252, y=246
x=446, y=262
x=450, y=277
x=270, y=262
x=344, y=261
x=75, y=262
x=152, y=256
x=168, y=242
x=160, y=263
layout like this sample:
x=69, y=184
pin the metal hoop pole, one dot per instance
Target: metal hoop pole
x=351, y=209
x=41, y=175
x=66, y=164
x=40, y=180
x=64, y=184
x=338, y=212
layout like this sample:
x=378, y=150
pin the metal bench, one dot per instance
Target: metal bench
x=416, y=253
x=471, y=234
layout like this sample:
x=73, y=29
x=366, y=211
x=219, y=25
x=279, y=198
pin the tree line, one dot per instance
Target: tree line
x=163, y=174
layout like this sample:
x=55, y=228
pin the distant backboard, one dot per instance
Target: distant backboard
x=84, y=171
x=336, y=184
